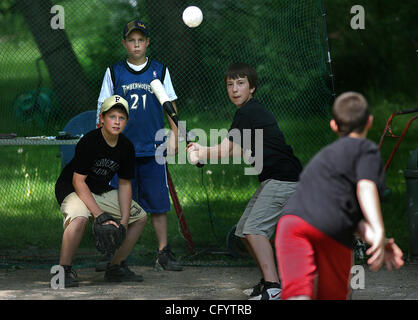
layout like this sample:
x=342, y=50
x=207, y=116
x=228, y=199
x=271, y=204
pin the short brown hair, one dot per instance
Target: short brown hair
x=350, y=112
x=241, y=70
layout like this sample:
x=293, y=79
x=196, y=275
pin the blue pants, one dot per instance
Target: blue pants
x=150, y=185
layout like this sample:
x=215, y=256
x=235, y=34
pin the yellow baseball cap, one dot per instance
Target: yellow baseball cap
x=113, y=101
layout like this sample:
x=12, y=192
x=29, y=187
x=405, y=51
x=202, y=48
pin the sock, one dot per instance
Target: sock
x=67, y=268
x=268, y=285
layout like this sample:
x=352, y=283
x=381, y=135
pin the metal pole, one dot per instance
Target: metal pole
x=324, y=14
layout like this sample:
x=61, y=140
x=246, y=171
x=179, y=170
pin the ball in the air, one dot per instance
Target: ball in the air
x=192, y=16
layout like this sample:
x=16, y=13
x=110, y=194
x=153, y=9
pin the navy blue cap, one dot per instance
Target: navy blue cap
x=135, y=24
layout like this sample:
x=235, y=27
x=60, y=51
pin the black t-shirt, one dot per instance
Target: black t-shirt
x=326, y=194
x=279, y=162
x=99, y=161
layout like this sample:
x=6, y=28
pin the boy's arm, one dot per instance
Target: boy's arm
x=105, y=92
x=373, y=228
x=226, y=148
x=125, y=199
x=84, y=193
x=393, y=254
x=172, y=145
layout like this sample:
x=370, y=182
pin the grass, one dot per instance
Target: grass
x=212, y=198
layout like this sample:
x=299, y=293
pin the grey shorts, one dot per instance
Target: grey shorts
x=262, y=213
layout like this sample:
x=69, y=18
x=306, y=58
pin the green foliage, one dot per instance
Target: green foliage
x=102, y=47
x=395, y=207
x=213, y=198
x=285, y=42
x=383, y=56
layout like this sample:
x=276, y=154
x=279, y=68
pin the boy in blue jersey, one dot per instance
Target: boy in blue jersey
x=131, y=79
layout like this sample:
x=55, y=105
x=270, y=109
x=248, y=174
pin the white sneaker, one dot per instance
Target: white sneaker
x=256, y=290
x=268, y=294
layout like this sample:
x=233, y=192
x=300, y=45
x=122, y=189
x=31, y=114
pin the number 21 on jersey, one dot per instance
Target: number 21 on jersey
x=135, y=98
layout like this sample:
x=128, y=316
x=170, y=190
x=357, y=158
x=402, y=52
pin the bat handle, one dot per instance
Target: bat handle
x=172, y=114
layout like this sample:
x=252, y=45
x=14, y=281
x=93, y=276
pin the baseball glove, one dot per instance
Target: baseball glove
x=108, y=238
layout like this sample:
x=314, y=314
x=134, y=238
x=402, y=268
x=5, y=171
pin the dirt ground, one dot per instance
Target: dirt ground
x=194, y=283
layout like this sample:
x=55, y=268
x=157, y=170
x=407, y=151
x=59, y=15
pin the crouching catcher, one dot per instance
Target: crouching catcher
x=84, y=193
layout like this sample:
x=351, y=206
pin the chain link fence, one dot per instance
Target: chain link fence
x=53, y=59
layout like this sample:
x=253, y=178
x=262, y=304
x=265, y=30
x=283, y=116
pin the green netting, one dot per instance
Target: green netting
x=50, y=75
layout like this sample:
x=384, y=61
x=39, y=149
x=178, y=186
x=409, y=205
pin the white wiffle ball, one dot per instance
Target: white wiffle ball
x=192, y=16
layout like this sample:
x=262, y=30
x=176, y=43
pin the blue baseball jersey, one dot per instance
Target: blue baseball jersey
x=146, y=115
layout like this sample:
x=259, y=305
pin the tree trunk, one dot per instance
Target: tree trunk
x=68, y=79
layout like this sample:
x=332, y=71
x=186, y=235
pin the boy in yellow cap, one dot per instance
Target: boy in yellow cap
x=83, y=191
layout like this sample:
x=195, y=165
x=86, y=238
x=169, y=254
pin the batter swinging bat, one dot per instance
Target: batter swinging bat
x=162, y=97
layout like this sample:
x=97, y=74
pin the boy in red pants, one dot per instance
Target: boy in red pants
x=338, y=194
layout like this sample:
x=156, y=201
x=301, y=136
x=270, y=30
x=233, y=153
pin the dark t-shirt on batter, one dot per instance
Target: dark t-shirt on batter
x=326, y=194
x=99, y=161
x=279, y=162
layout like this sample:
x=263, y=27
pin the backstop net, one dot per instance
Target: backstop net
x=53, y=56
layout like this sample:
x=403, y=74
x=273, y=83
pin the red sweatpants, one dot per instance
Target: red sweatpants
x=310, y=262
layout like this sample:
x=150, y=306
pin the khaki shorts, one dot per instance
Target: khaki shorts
x=262, y=213
x=73, y=207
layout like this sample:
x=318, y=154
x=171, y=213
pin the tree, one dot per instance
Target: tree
x=69, y=81
x=382, y=56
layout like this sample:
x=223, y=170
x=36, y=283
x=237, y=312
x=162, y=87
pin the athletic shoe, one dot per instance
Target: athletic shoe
x=271, y=291
x=70, y=277
x=167, y=261
x=119, y=273
x=256, y=290
x=130, y=275
x=102, y=264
